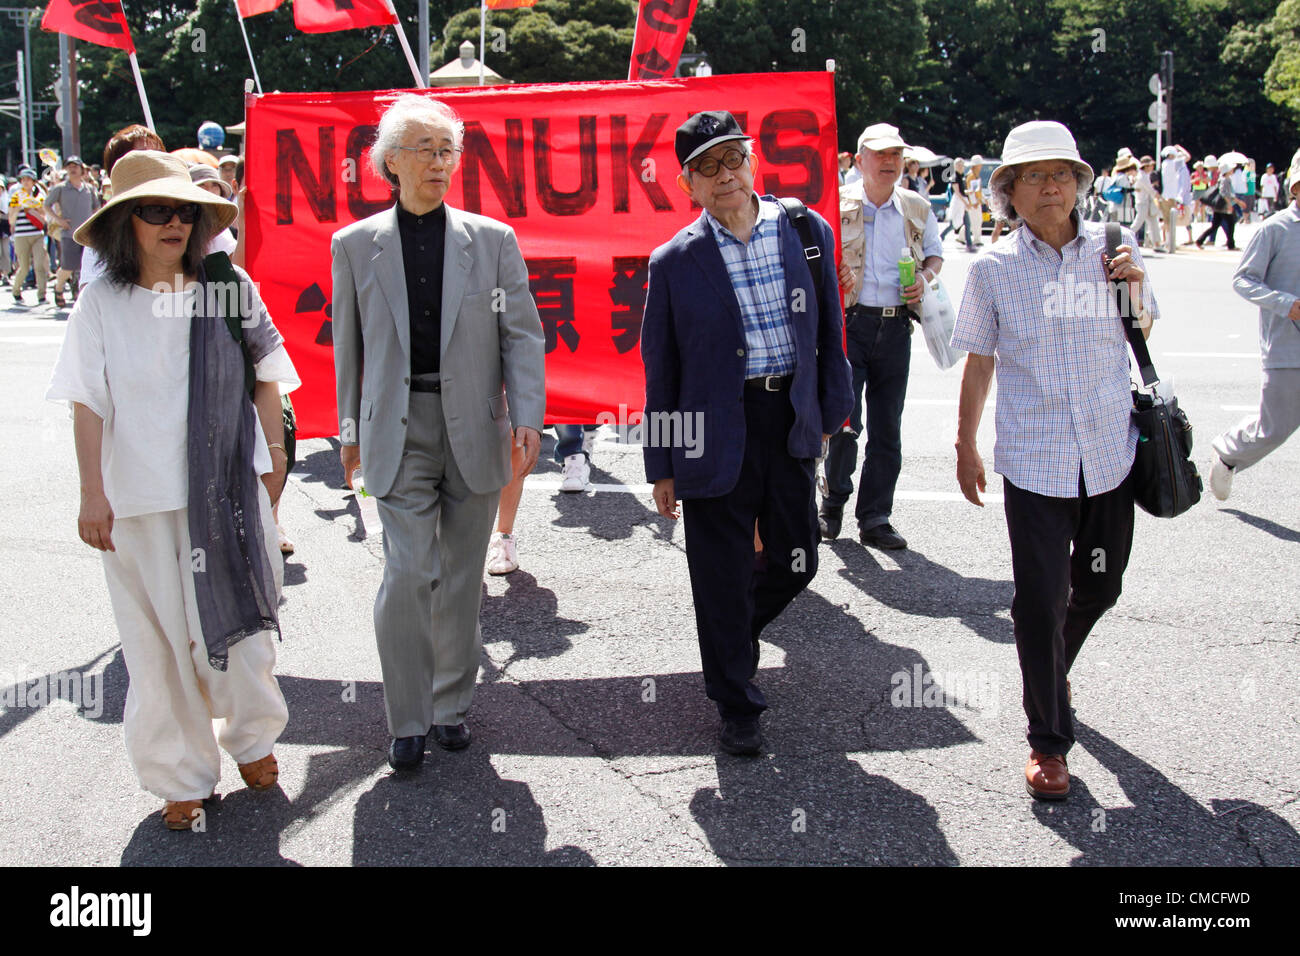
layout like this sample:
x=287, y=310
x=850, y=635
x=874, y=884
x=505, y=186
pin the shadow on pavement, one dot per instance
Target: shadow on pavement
x=1165, y=826
x=1263, y=524
x=927, y=588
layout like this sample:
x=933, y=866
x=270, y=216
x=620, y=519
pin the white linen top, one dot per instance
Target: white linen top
x=126, y=357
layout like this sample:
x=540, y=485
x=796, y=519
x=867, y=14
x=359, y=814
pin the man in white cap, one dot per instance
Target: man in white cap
x=1065, y=440
x=1269, y=276
x=878, y=324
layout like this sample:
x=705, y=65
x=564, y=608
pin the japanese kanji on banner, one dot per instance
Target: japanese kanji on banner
x=584, y=172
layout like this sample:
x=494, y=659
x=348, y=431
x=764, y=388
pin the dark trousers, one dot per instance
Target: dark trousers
x=736, y=593
x=880, y=353
x=1068, y=557
x=1225, y=219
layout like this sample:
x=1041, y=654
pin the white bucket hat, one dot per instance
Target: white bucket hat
x=880, y=136
x=146, y=173
x=1038, y=141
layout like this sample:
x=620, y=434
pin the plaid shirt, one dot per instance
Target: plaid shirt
x=1064, y=397
x=757, y=273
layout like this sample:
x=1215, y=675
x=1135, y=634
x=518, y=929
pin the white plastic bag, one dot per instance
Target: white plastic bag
x=938, y=317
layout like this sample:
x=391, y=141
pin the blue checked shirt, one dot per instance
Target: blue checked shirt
x=757, y=273
x=1064, y=397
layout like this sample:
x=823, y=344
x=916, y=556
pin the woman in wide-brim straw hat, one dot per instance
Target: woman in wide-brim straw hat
x=176, y=482
x=1039, y=305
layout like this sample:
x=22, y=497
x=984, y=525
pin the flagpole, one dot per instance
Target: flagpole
x=482, y=33
x=139, y=85
x=242, y=29
x=406, y=48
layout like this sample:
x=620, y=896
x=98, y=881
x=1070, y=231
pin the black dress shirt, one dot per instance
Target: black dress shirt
x=423, y=239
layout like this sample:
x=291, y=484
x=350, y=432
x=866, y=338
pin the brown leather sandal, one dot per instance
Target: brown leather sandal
x=179, y=814
x=260, y=774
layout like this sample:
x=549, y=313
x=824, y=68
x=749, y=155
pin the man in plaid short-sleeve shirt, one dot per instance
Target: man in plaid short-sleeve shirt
x=1039, y=307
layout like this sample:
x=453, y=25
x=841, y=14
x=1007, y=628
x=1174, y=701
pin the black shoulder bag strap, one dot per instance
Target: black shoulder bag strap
x=798, y=214
x=218, y=267
x=1137, y=342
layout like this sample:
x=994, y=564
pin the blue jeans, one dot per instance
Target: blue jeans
x=965, y=225
x=569, y=441
x=880, y=353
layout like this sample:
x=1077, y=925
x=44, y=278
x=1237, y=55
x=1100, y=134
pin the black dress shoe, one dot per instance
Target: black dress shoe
x=828, y=523
x=883, y=536
x=406, y=753
x=451, y=737
x=741, y=737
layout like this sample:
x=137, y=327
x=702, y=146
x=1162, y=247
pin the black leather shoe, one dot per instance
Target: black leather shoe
x=883, y=536
x=828, y=523
x=451, y=737
x=742, y=738
x=406, y=753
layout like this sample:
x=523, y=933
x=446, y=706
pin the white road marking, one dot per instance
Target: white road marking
x=1240, y=408
x=1215, y=355
x=32, y=339
x=541, y=483
x=32, y=324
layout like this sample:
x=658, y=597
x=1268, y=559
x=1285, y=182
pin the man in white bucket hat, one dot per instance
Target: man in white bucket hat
x=1065, y=442
x=1269, y=276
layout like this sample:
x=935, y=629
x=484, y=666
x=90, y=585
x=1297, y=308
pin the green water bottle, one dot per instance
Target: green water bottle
x=906, y=269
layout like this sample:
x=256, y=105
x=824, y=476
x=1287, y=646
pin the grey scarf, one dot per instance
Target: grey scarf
x=232, y=576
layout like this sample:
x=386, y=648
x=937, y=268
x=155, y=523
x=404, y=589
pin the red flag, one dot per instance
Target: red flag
x=251, y=8
x=570, y=166
x=95, y=21
x=509, y=4
x=326, y=16
x=661, y=28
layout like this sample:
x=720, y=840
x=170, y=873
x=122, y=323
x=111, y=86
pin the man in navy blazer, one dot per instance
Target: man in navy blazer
x=745, y=379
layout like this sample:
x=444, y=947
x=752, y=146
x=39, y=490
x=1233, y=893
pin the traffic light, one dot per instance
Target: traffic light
x=1167, y=70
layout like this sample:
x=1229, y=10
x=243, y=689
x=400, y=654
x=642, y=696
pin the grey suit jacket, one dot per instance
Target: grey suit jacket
x=492, y=346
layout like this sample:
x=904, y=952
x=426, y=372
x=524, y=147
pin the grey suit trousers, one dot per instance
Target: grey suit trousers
x=1257, y=435
x=426, y=615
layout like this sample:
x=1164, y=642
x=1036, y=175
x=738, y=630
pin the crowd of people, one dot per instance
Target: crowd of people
x=1153, y=197
x=180, y=473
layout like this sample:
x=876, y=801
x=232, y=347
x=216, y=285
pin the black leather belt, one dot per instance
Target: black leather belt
x=885, y=312
x=769, y=383
x=426, y=385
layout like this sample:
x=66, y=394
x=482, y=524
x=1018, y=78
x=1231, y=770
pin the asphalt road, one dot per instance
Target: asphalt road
x=594, y=742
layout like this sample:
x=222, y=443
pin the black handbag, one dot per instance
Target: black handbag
x=1165, y=481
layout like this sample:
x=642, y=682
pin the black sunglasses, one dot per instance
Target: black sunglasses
x=156, y=214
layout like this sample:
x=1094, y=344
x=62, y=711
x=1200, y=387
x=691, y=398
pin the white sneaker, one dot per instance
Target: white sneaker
x=577, y=474
x=503, y=556
x=1220, y=479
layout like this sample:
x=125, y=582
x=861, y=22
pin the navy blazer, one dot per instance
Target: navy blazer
x=693, y=347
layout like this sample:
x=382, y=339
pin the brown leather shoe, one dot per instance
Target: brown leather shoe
x=1046, y=776
x=180, y=814
x=260, y=774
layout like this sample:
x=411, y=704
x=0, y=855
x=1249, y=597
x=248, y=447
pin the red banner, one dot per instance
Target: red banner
x=95, y=21
x=661, y=28
x=509, y=4
x=252, y=8
x=584, y=172
x=326, y=16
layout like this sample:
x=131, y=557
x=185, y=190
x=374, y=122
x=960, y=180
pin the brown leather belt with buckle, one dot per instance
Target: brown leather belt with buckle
x=769, y=383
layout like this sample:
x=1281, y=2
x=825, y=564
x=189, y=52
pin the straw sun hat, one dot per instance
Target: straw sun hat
x=149, y=174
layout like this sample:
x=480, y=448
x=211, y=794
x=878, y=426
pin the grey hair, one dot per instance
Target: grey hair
x=1001, y=187
x=404, y=110
x=112, y=235
x=746, y=147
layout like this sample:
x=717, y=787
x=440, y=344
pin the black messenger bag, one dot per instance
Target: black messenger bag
x=1165, y=481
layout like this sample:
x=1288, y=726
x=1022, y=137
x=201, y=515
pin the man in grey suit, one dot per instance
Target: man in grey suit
x=432, y=317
